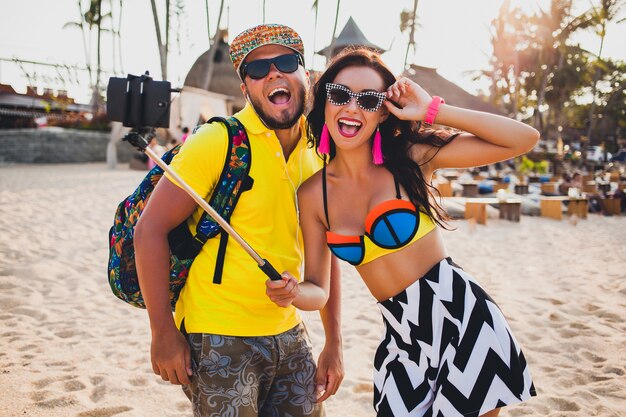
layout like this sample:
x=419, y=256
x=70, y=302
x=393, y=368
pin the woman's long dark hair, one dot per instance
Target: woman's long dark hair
x=398, y=135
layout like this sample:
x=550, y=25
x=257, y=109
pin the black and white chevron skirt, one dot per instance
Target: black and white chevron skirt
x=447, y=350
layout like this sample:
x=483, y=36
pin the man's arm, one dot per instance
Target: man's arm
x=330, y=371
x=167, y=207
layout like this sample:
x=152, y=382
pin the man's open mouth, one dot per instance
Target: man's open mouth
x=279, y=95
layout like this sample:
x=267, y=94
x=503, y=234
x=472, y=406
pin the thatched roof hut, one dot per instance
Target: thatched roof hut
x=350, y=35
x=437, y=85
x=224, y=79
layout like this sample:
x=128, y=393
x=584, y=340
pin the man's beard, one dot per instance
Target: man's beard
x=285, y=120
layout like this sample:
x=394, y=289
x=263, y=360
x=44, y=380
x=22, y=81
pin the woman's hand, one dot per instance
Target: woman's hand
x=407, y=100
x=282, y=292
x=330, y=371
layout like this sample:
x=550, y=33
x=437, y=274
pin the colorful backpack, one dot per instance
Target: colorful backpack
x=184, y=246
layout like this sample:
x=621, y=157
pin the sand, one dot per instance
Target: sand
x=68, y=347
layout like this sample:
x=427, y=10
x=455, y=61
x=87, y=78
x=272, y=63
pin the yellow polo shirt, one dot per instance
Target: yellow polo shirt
x=264, y=216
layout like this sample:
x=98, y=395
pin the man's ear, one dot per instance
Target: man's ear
x=244, y=91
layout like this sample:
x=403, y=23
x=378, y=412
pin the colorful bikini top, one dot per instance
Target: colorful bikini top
x=389, y=227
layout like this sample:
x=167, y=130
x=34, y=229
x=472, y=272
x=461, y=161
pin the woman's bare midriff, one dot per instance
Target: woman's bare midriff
x=391, y=274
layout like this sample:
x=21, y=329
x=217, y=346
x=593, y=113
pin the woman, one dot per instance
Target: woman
x=447, y=349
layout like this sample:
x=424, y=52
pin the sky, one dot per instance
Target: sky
x=453, y=36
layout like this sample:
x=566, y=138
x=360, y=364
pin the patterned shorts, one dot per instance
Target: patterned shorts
x=253, y=376
x=447, y=350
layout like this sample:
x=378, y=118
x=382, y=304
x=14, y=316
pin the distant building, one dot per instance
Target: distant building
x=224, y=80
x=350, y=35
x=437, y=85
x=29, y=109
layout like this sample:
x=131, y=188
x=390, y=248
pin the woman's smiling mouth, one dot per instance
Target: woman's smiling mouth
x=349, y=127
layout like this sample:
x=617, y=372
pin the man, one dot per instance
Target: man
x=234, y=350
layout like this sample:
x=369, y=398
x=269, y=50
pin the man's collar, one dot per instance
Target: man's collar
x=253, y=124
x=248, y=117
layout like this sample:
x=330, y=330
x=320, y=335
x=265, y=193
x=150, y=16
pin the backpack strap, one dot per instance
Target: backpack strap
x=233, y=181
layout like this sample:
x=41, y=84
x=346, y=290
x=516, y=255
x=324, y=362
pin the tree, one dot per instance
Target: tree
x=213, y=48
x=163, y=46
x=508, y=46
x=408, y=20
x=607, y=11
x=263, y=5
x=315, y=8
x=614, y=109
x=554, y=28
x=86, y=50
x=92, y=19
x=331, y=48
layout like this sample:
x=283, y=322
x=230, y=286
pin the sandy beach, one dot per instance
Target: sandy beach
x=68, y=347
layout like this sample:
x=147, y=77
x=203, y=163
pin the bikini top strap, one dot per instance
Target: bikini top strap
x=324, y=194
x=397, y=184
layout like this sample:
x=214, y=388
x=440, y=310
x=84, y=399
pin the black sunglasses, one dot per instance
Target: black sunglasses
x=340, y=95
x=259, y=68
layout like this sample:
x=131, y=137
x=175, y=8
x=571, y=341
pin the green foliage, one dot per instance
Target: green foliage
x=540, y=75
x=541, y=167
x=527, y=165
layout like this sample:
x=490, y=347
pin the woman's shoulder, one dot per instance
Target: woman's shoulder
x=311, y=198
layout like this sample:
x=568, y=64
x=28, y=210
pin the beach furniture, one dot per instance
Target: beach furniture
x=510, y=209
x=612, y=205
x=476, y=208
x=590, y=187
x=445, y=189
x=521, y=189
x=549, y=188
x=500, y=186
x=470, y=188
x=551, y=207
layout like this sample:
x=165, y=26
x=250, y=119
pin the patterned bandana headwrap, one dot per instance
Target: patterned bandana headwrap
x=270, y=34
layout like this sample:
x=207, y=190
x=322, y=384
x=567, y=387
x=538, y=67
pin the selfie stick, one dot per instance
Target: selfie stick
x=140, y=143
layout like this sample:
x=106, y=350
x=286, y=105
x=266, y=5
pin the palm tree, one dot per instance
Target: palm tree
x=568, y=78
x=315, y=8
x=506, y=41
x=118, y=33
x=92, y=18
x=213, y=48
x=163, y=46
x=409, y=20
x=208, y=23
x=80, y=24
x=554, y=29
x=602, y=15
x=614, y=111
x=263, y=5
x=331, y=48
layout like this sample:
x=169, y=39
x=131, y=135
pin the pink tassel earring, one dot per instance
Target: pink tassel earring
x=324, y=146
x=377, y=150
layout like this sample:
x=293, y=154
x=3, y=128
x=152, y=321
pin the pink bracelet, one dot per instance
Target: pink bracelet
x=432, y=111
